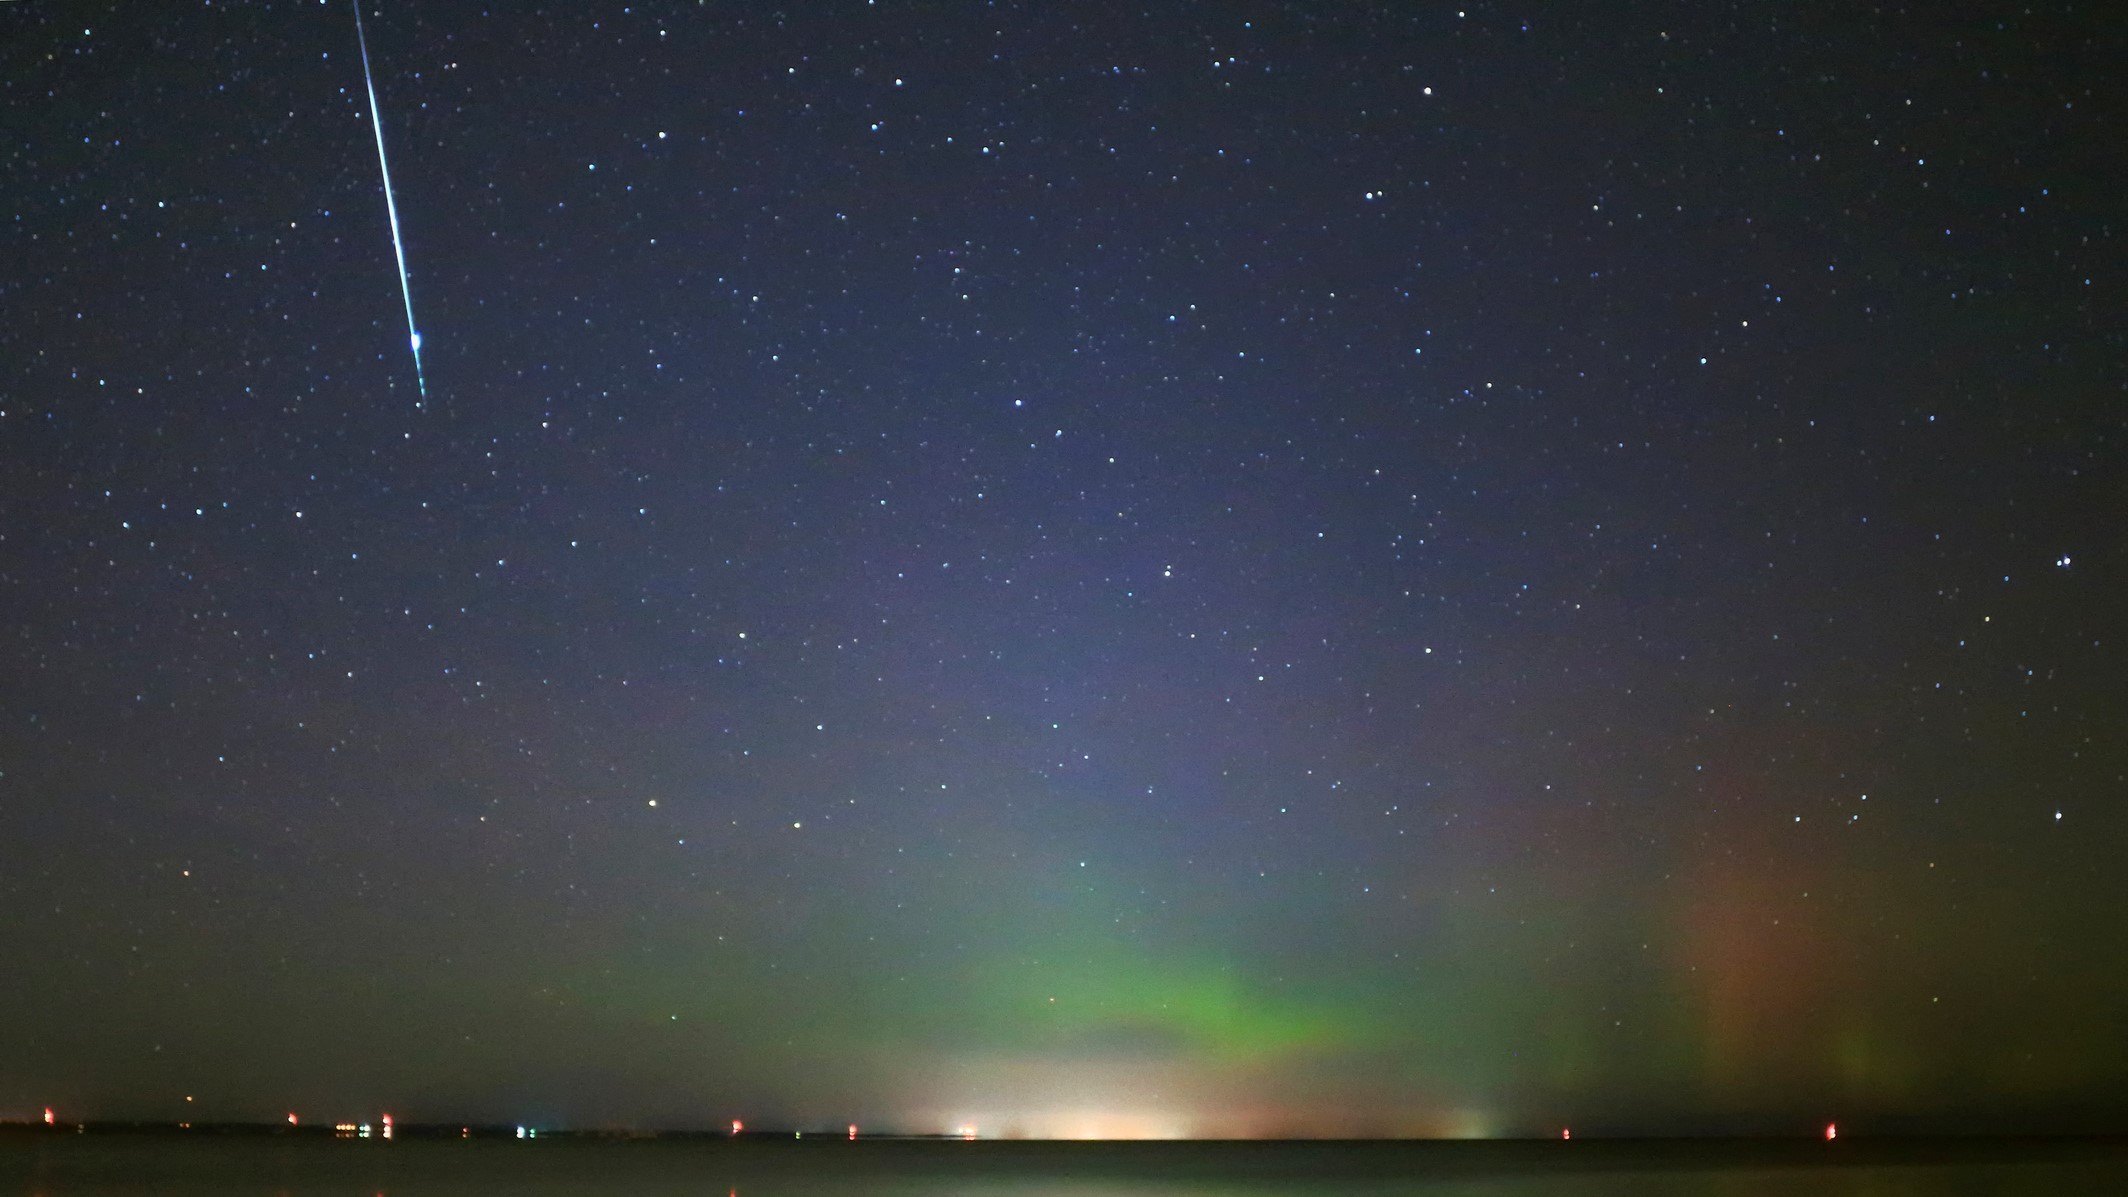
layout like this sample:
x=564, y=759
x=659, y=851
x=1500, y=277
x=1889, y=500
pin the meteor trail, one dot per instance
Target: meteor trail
x=406, y=290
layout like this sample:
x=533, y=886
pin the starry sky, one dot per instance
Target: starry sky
x=1079, y=569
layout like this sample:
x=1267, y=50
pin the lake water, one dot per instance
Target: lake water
x=108, y=1166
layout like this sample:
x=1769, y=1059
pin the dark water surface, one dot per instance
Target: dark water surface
x=106, y=1166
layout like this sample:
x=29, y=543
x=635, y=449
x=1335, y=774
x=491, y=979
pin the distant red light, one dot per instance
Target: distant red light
x=737, y=1126
x=1567, y=1133
x=1832, y=1131
x=48, y=1115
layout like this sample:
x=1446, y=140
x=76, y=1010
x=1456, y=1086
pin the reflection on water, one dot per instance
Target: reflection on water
x=90, y=1166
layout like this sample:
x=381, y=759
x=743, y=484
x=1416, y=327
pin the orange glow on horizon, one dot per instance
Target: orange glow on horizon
x=48, y=1115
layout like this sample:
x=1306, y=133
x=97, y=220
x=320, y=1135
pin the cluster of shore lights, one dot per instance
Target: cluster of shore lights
x=358, y=1130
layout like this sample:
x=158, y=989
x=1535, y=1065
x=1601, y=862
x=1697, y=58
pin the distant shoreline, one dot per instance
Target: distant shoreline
x=777, y=1149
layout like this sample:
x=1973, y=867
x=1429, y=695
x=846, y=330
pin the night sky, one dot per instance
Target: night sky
x=1073, y=568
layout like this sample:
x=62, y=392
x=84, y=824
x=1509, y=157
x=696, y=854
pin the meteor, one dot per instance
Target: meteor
x=391, y=208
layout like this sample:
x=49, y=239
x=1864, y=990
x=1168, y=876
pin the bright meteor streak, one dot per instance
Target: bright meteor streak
x=391, y=208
